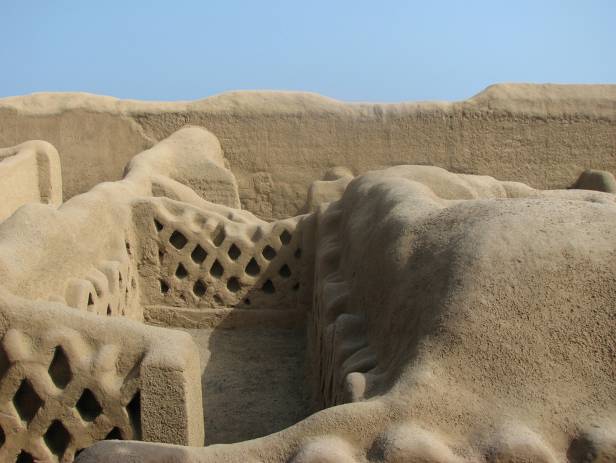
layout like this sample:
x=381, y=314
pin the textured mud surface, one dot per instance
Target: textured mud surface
x=278, y=143
x=253, y=381
x=428, y=315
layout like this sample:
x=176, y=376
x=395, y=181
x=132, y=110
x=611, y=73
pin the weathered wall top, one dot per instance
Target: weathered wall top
x=551, y=100
x=277, y=143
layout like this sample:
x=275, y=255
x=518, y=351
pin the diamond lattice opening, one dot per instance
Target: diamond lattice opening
x=217, y=270
x=285, y=237
x=253, y=268
x=233, y=285
x=114, y=434
x=199, y=288
x=181, y=271
x=198, y=255
x=87, y=406
x=60, y=368
x=268, y=252
x=57, y=438
x=234, y=252
x=268, y=287
x=24, y=457
x=284, y=271
x=177, y=240
x=27, y=402
x=219, y=237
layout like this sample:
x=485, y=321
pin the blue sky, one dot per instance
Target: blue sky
x=351, y=50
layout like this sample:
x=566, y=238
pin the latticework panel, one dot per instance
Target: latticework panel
x=207, y=260
x=59, y=394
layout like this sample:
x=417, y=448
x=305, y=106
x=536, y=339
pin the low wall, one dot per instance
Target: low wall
x=277, y=143
x=68, y=379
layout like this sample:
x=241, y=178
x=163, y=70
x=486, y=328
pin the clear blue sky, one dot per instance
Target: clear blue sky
x=351, y=50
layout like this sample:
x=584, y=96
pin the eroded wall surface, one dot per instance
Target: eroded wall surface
x=277, y=143
x=454, y=318
x=449, y=317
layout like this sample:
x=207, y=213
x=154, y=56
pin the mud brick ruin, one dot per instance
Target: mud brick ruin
x=280, y=277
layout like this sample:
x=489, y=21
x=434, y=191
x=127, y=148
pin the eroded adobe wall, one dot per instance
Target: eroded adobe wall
x=30, y=173
x=277, y=143
x=196, y=262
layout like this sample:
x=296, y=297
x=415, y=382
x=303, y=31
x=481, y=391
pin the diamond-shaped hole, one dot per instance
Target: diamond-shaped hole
x=219, y=237
x=57, y=438
x=24, y=457
x=134, y=413
x=268, y=287
x=198, y=255
x=253, y=268
x=158, y=225
x=181, y=271
x=2, y=437
x=177, y=240
x=60, y=368
x=233, y=285
x=285, y=237
x=26, y=401
x=234, y=252
x=114, y=434
x=298, y=253
x=217, y=270
x=199, y=288
x=284, y=271
x=87, y=406
x=164, y=287
x=268, y=252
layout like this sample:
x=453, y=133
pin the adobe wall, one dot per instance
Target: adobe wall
x=30, y=173
x=277, y=143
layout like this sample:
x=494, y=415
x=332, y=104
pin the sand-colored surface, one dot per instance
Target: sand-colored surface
x=278, y=143
x=253, y=381
x=408, y=314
